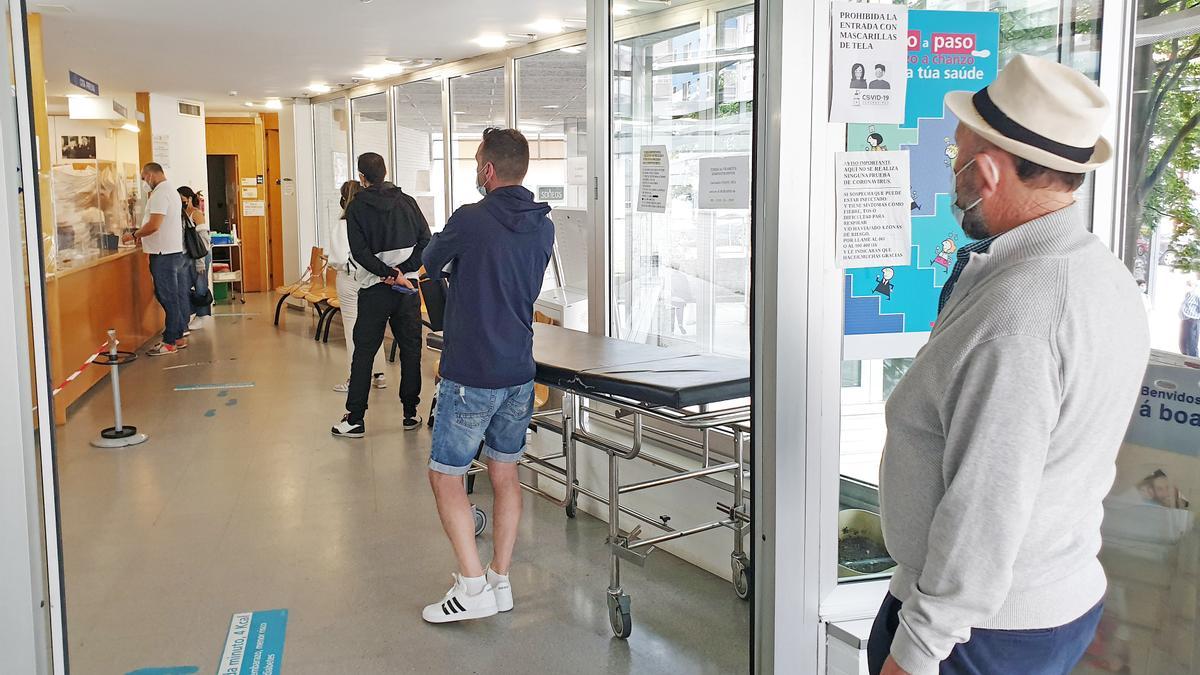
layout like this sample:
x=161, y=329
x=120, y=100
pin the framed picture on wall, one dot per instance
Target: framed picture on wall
x=79, y=147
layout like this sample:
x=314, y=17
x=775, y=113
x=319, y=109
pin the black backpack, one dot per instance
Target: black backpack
x=193, y=243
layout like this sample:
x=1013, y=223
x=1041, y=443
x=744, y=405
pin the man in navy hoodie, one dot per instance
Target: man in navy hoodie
x=496, y=253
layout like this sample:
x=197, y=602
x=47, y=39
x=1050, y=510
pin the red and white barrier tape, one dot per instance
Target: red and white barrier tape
x=77, y=373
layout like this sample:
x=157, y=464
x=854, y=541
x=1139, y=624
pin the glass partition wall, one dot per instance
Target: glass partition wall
x=477, y=101
x=368, y=127
x=681, y=259
x=418, y=164
x=331, y=146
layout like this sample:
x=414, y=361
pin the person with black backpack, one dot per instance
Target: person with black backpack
x=387, y=234
x=197, y=245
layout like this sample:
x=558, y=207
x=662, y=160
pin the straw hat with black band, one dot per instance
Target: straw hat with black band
x=1041, y=111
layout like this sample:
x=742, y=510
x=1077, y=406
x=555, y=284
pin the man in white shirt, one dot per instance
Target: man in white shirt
x=161, y=237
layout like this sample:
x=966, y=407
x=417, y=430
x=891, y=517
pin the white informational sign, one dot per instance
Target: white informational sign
x=161, y=149
x=250, y=192
x=254, y=207
x=576, y=170
x=655, y=179
x=725, y=182
x=870, y=63
x=341, y=169
x=289, y=188
x=874, y=217
x=247, y=182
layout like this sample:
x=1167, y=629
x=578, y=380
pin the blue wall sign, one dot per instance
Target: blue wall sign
x=84, y=83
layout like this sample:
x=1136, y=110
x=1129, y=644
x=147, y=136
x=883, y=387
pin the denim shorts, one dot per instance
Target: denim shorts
x=466, y=416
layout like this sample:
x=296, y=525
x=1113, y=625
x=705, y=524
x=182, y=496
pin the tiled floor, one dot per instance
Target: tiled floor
x=242, y=501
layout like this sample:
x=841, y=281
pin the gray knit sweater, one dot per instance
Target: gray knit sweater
x=1002, y=439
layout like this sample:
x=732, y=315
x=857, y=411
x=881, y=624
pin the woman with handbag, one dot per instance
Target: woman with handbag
x=194, y=220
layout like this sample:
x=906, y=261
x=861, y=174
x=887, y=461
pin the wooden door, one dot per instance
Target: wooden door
x=274, y=209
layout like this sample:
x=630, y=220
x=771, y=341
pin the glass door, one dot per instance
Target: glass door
x=31, y=581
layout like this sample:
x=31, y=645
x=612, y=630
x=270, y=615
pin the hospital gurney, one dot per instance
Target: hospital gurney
x=630, y=385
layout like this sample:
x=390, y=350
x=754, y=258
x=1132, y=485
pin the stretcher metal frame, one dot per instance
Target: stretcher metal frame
x=573, y=422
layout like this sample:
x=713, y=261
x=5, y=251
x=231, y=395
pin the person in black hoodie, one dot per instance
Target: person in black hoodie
x=497, y=250
x=387, y=235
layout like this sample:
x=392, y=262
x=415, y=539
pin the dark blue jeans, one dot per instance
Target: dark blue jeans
x=201, y=303
x=1189, y=335
x=172, y=281
x=1048, y=651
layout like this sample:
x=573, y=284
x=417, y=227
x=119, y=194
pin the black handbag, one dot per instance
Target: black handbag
x=193, y=243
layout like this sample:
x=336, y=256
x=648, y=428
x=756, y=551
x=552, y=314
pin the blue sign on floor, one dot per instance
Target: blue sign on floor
x=254, y=645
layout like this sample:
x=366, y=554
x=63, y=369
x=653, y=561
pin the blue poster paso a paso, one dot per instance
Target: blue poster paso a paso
x=254, y=644
x=891, y=311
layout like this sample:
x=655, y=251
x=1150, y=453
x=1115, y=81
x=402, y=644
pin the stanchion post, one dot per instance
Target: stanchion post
x=118, y=435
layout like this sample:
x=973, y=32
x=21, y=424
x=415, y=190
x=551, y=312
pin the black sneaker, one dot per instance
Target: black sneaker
x=345, y=429
x=412, y=421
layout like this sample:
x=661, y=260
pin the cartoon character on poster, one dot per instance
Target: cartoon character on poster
x=945, y=255
x=875, y=142
x=951, y=151
x=884, y=284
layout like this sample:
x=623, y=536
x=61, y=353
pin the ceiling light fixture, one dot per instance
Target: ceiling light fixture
x=382, y=70
x=273, y=104
x=319, y=88
x=130, y=126
x=491, y=41
x=572, y=50
x=549, y=26
x=249, y=104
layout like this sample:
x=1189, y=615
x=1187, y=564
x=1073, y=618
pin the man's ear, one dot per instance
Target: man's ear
x=988, y=172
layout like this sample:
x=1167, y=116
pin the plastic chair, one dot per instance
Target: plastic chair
x=316, y=267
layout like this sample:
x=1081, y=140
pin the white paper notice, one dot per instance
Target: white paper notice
x=870, y=63
x=725, y=182
x=252, y=207
x=161, y=149
x=874, y=217
x=249, y=182
x=655, y=179
x=250, y=192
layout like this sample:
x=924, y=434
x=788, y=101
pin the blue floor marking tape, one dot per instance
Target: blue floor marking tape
x=174, y=670
x=211, y=412
x=202, y=387
x=254, y=644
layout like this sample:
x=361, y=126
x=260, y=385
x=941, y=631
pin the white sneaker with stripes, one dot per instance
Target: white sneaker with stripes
x=458, y=605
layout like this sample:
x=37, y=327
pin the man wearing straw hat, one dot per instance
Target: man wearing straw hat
x=992, y=480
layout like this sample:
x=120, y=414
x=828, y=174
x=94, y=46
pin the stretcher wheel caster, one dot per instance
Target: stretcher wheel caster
x=480, y=520
x=573, y=505
x=618, y=615
x=741, y=575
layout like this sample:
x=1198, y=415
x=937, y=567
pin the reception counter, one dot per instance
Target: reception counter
x=83, y=302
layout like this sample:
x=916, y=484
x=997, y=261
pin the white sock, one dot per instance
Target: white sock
x=474, y=585
x=495, y=577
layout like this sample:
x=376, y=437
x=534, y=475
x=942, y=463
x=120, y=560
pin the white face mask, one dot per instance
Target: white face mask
x=479, y=186
x=957, y=209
